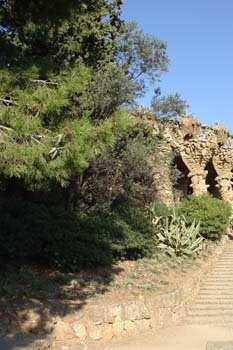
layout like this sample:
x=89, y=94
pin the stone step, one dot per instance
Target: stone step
x=213, y=302
x=220, y=261
x=228, y=266
x=213, y=298
x=220, y=274
x=216, y=294
x=217, y=283
x=216, y=290
x=221, y=271
x=215, y=277
x=219, y=286
x=223, y=266
x=211, y=307
x=222, y=280
x=225, y=260
x=211, y=320
x=218, y=301
x=210, y=313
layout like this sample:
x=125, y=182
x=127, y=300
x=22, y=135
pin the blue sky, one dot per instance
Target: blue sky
x=199, y=34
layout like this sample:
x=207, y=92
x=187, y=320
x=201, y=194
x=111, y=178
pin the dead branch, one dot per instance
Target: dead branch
x=8, y=102
x=44, y=82
x=5, y=128
x=37, y=141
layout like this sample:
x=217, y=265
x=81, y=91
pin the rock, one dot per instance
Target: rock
x=107, y=330
x=129, y=327
x=112, y=313
x=95, y=332
x=146, y=324
x=69, y=345
x=135, y=310
x=118, y=328
x=156, y=321
x=80, y=330
x=96, y=314
x=63, y=331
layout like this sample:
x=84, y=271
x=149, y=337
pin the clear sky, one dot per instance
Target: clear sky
x=199, y=34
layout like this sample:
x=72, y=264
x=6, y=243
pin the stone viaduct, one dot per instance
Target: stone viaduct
x=203, y=154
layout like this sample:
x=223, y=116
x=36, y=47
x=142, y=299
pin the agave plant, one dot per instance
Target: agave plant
x=178, y=237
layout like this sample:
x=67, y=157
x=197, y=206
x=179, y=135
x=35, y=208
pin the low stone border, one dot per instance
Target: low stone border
x=129, y=317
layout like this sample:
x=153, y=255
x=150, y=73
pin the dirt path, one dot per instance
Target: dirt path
x=209, y=320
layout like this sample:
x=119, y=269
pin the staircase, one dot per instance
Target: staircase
x=214, y=303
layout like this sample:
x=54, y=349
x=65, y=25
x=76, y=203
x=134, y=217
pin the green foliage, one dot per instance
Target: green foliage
x=42, y=140
x=158, y=209
x=59, y=30
x=109, y=89
x=68, y=240
x=124, y=171
x=67, y=70
x=136, y=231
x=169, y=106
x=39, y=158
x=142, y=56
x=176, y=236
x=51, y=234
x=213, y=214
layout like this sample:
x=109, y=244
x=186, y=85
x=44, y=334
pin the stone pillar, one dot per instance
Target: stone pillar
x=162, y=181
x=163, y=185
x=198, y=181
x=224, y=184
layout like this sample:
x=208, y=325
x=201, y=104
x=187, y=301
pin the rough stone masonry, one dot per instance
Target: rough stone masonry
x=203, y=154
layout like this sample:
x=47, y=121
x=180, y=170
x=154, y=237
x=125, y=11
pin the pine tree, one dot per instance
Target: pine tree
x=56, y=110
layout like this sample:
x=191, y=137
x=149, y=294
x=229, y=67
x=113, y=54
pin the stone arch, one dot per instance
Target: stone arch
x=183, y=182
x=211, y=179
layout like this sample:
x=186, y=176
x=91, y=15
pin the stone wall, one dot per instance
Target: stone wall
x=201, y=149
x=103, y=322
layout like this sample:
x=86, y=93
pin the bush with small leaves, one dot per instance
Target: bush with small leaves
x=213, y=214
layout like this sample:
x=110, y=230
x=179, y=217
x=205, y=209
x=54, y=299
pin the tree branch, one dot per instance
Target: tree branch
x=8, y=102
x=5, y=128
x=44, y=82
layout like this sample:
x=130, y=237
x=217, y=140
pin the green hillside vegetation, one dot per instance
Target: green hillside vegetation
x=76, y=169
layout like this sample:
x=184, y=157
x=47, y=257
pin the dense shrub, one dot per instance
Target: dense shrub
x=71, y=241
x=136, y=238
x=124, y=171
x=212, y=213
x=50, y=234
x=160, y=209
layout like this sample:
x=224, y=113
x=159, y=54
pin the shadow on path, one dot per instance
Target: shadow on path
x=33, y=297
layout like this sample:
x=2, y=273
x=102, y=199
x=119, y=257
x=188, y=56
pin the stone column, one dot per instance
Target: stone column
x=162, y=181
x=224, y=184
x=163, y=185
x=198, y=181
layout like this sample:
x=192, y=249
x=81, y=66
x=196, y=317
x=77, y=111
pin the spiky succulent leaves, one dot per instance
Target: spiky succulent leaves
x=178, y=237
